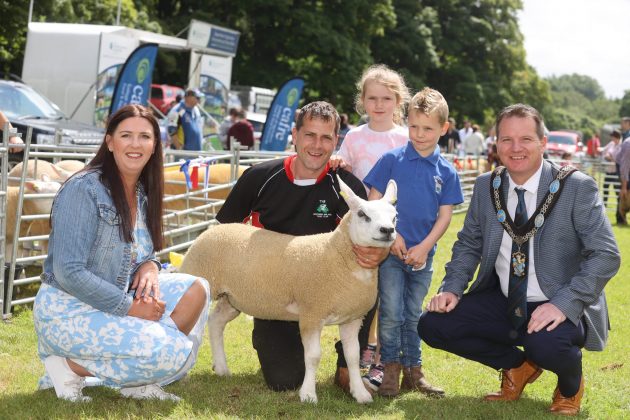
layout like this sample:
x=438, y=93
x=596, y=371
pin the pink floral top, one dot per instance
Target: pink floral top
x=363, y=146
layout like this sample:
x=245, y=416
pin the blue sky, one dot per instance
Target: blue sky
x=590, y=37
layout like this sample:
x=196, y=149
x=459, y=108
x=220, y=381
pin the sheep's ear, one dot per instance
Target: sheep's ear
x=31, y=186
x=61, y=173
x=346, y=192
x=391, y=192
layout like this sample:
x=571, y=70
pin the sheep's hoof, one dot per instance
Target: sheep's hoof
x=307, y=397
x=362, y=397
x=221, y=370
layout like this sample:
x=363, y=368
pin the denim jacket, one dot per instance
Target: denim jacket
x=87, y=258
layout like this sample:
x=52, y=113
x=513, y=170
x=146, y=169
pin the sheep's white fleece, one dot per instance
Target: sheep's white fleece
x=269, y=275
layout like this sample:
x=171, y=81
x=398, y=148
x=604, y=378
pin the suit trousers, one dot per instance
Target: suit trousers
x=281, y=354
x=479, y=329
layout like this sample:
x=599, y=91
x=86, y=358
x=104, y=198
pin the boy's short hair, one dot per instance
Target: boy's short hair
x=429, y=101
x=320, y=110
x=616, y=134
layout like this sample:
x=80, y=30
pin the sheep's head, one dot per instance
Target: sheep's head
x=43, y=186
x=372, y=223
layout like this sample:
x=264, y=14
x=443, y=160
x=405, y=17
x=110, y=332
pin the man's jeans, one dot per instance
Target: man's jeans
x=401, y=291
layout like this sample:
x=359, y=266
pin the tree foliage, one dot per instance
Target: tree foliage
x=470, y=50
x=578, y=103
x=13, y=35
x=624, y=109
x=326, y=42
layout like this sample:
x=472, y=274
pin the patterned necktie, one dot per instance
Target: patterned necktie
x=517, y=291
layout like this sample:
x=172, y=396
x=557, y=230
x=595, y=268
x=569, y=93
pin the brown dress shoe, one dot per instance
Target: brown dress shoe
x=413, y=380
x=513, y=382
x=391, y=380
x=342, y=380
x=567, y=406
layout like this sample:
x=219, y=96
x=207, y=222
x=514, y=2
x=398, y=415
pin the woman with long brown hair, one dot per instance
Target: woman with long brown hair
x=102, y=309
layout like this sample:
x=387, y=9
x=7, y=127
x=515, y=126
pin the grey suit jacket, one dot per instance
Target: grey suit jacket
x=575, y=251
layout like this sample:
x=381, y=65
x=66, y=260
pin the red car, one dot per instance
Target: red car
x=561, y=142
x=162, y=96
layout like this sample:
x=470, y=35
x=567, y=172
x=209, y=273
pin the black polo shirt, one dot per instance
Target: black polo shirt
x=266, y=196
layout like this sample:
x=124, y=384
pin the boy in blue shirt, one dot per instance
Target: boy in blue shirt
x=428, y=187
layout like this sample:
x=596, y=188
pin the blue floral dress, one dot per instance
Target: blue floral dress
x=120, y=351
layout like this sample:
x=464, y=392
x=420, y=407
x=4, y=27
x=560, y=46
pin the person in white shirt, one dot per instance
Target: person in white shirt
x=465, y=131
x=474, y=144
x=609, y=155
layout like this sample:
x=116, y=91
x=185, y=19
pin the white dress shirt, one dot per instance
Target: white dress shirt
x=504, y=259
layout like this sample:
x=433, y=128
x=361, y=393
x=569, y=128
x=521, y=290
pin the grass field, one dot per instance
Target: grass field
x=205, y=395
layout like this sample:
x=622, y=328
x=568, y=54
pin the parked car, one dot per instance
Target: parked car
x=162, y=96
x=564, y=141
x=25, y=107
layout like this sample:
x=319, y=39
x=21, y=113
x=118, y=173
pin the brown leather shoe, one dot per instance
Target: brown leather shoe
x=413, y=380
x=391, y=380
x=567, y=406
x=342, y=380
x=513, y=382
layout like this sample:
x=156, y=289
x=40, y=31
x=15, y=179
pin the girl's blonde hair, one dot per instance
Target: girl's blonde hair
x=389, y=78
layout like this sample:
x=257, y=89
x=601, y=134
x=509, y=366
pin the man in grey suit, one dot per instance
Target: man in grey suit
x=545, y=250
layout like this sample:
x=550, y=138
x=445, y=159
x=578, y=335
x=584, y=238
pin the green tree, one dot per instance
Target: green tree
x=578, y=103
x=470, y=50
x=326, y=42
x=624, y=109
x=585, y=85
x=527, y=87
x=409, y=47
x=13, y=35
x=15, y=23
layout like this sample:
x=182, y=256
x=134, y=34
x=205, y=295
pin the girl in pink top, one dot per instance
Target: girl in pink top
x=382, y=95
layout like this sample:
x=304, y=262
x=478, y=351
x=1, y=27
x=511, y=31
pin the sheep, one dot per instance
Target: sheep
x=311, y=279
x=70, y=166
x=37, y=168
x=174, y=183
x=29, y=207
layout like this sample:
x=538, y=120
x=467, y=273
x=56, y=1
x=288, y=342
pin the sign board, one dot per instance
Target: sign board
x=133, y=85
x=280, y=116
x=213, y=39
x=113, y=52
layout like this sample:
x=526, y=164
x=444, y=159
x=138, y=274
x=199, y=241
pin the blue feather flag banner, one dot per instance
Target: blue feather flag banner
x=280, y=115
x=133, y=85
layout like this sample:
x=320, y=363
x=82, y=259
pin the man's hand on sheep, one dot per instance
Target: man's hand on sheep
x=151, y=310
x=443, y=302
x=145, y=281
x=368, y=256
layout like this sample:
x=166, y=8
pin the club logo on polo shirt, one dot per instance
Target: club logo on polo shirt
x=322, y=210
x=438, y=184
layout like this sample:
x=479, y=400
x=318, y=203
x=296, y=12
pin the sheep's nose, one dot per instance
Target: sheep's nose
x=387, y=231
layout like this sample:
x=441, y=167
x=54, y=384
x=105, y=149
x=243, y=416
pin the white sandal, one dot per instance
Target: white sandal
x=68, y=385
x=151, y=391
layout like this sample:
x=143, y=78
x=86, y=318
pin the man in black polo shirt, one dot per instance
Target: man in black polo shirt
x=298, y=195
